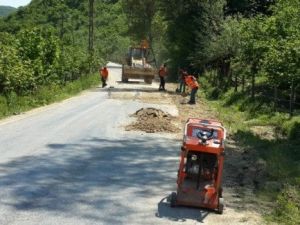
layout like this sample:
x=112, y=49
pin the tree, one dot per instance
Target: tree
x=249, y=8
x=91, y=27
x=253, y=47
x=282, y=58
x=191, y=26
x=140, y=14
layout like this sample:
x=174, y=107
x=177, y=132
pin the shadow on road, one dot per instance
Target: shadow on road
x=96, y=175
x=133, y=89
x=180, y=214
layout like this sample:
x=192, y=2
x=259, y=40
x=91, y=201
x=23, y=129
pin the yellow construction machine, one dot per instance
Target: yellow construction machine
x=138, y=66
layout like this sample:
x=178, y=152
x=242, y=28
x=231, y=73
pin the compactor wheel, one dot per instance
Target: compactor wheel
x=173, y=199
x=220, y=192
x=221, y=206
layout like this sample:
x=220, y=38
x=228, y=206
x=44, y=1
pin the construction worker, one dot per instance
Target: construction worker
x=192, y=83
x=182, y=76
x=162, y=74
x=104, y=76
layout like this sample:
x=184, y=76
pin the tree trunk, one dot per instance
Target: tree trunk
x=253, y=86
x=253, y=73
x=151, y=48
x=216, y=80
x=91, y=27
x=91, y=34
x=243, y=83
x=292, y=96
x=275, y=98
x=229, y=74
x=62, y=31
x=235, y=82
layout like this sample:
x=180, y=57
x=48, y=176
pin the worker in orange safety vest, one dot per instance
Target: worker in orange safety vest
x=104, y=76
x=192, y=83
x=162, y=74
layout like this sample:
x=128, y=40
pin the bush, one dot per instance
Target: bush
x=3, y=106
x=292, y=128
x=287, y=210
x=11, y=103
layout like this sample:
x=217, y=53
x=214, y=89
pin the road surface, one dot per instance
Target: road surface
x=73, y=163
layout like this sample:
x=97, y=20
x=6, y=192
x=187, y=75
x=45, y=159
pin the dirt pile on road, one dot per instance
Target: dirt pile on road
x=152, y=120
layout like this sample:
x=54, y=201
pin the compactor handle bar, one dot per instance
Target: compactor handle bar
x=206, y=125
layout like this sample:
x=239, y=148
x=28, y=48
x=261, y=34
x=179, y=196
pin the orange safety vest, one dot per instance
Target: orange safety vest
x=162, y=71
x=104, y=73
x=191, y=82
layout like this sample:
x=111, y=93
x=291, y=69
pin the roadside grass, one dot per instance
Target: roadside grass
x=281, y=152
x=12, y=104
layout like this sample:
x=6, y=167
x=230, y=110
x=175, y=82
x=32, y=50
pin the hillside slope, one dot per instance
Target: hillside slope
x=6, y=10
x=47, y=42
x=70, y=21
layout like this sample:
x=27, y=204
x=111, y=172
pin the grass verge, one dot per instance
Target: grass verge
x=271, y=137
x=12, y=104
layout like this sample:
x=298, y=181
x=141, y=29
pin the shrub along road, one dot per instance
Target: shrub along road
x=74, y=163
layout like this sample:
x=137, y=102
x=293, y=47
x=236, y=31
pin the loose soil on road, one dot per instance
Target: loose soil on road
x=152, y=120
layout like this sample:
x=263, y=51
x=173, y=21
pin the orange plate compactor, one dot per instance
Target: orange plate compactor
x=201, y=165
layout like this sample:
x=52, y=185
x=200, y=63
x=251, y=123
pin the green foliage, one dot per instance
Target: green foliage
x=281, y=153
x=140, y=15
x=15, y=75
x=43, y=56
x=273, y=42
x=41, y=49
x=111, y=37
x=46, y=43
x=191, y=27
x=12, y=103
x=282, y=30
x=27, y=60
x=249, y=7
x=287, y=210
x=262, y=50
x=146, y=22
x=291, y=128
x=227, y=44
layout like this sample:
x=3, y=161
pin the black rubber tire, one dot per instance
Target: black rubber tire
x=220, y=192
x=221, y=206
x=173, y=199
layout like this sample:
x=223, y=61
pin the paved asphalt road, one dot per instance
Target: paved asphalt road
x=73, y=163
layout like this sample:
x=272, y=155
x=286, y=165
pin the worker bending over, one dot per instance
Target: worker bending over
x=192, y=83
x=104, y=76
x=162, y=74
